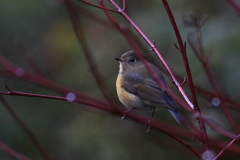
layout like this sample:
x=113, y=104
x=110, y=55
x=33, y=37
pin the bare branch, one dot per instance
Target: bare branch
x=185, y=78
x=234, y=5
x=12, y=152
x=91, y=4
x=218, y=156
x=189, y=75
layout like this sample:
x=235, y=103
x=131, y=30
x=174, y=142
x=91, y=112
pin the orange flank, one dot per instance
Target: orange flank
x=126, y=98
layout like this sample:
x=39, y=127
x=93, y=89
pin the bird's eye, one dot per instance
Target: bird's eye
x=132, y=60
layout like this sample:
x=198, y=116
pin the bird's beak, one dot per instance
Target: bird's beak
x=118, y=59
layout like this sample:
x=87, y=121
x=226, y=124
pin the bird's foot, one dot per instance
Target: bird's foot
x=149, y=127
x=123, y=117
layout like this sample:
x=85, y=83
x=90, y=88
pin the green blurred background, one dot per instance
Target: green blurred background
x=72, y=132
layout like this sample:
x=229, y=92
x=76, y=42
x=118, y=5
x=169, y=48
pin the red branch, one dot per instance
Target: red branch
x=12, y=152
x=185, y=60
x=91, y=4
x=226, y=147
x=234, y=5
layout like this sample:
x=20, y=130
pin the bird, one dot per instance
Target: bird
x=137, y=89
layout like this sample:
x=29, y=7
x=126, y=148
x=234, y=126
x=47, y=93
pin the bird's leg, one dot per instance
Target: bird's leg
x=124, y=113
x=149, y=121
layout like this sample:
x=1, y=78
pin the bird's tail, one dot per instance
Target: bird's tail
x=178, y=117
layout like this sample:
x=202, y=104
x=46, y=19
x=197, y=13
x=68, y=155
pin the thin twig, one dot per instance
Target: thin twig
x=12, y=152
x=184, y=80
x=91, y=4
x=124, y=5
x=189, y=75
x=218, y=156
x=234, y=5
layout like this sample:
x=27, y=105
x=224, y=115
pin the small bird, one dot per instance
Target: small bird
x=137, y=89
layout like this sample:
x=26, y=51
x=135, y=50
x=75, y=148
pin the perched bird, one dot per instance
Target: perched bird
x=137, y=89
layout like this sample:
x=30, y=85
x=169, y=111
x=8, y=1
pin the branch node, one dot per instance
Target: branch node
x=176, y=47
x=121, y=10
x=154, y=41
x=172, y=82
x=152, y=47
x=9, y=90
x=184, y=80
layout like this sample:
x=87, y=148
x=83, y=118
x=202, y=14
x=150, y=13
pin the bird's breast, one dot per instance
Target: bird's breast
x=127, y=99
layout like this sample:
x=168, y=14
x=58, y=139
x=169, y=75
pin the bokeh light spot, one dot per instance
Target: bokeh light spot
x=208, y=154
x=19, y=72
x=216, y=102
x=71, y=97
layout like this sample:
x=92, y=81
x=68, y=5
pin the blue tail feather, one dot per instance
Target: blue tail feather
x=178, y=116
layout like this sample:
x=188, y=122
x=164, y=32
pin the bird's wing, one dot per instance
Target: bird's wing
x=147, y=89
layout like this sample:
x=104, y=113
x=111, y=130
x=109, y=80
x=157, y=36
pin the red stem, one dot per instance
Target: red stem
x=218, y=156
x=234, y=5
x=91, y=4
x=185, y=60
x=12, y=152
x=219, y=130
